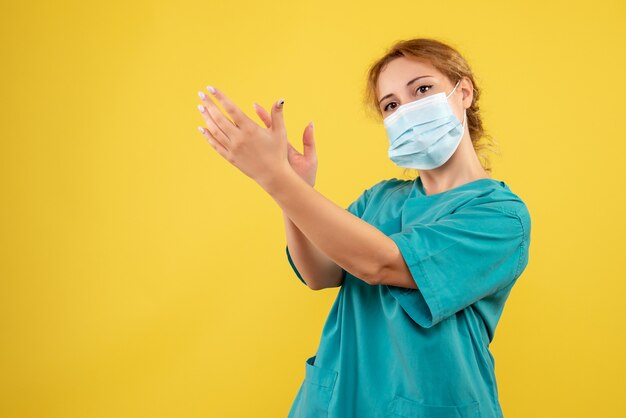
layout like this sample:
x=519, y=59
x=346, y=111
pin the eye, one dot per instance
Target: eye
x=419, y=89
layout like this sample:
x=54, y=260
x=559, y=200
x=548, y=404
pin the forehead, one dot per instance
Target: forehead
x=400, y=70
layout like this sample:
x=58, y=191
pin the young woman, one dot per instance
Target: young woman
x=424, y=265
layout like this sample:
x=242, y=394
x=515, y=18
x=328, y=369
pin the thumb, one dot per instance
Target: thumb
x=278, y=122
x=308, y=142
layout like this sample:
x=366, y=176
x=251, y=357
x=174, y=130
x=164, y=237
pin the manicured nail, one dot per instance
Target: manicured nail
x=201, y=129
x=280, y=103
x=211, y=89
x=201, y=108
x=202, y=95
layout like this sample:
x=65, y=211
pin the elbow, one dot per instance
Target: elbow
x=380, y=269
x=373, y=274
x=367, y=269
x=310, y=284
x=313, y=286
x=337, y=281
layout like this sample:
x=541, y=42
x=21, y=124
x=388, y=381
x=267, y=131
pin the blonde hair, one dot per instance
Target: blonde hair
x=450, y=63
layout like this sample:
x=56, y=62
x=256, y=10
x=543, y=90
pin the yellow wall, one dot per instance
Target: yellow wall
x=142, y=275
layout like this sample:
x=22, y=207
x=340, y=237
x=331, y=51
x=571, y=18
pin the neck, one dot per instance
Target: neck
x=463, y=167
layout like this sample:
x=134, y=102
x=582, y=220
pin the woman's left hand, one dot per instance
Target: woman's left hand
x=260, y=153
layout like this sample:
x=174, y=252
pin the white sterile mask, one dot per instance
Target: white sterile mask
x=424, y=134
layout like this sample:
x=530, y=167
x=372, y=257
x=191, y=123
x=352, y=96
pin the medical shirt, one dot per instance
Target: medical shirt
x=389, y=351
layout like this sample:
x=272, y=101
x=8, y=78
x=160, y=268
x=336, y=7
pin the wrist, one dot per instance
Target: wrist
x=276, y=178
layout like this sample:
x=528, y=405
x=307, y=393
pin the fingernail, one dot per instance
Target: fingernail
x=202, y=95
x=311, y=123
x=280, y=103
x=211, y=89
x=201, y=129
x=201, y=108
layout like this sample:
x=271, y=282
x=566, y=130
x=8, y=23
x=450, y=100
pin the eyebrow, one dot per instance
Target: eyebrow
x=407, y=84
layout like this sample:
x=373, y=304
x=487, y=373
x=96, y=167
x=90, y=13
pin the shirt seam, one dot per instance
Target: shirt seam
x=520, y=248
x=518, y=271
x=382, y=204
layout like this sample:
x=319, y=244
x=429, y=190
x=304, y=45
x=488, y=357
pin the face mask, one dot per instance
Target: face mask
x=424, y=134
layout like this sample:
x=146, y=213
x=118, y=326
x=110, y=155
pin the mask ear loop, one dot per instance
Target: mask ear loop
x=465, y=110
x=457, y=84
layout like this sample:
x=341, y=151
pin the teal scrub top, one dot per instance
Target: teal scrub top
x=389, y=351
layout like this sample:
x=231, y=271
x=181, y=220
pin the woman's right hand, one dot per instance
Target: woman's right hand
x=303, y=164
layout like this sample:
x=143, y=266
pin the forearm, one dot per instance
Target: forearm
x=317, y=270
x=347, y=240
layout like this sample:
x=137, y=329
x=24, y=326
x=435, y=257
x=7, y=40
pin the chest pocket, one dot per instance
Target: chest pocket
x=316, y=391
x=407, y=408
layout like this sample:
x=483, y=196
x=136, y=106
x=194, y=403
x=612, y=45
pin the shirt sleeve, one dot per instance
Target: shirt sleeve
x=462, y=258
x=293, y=266
x=357, y=208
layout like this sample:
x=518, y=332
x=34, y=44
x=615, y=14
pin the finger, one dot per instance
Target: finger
x=212, y=127
x=262, y=113
x=231, y=108
x=208, y=104
x=308, y=142
x=221, y=121
x=291, y=151
x=278, y=122
x=214, y=143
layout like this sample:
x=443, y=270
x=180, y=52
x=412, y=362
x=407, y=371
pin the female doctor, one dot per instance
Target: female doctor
x=424, y=265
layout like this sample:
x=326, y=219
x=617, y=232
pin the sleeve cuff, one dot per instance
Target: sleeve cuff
x=421, y=304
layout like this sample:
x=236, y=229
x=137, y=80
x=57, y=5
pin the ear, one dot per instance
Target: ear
x=467, y=87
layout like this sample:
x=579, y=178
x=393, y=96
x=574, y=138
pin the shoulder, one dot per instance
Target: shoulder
x=499, y=197
x=510, y=201
x=388, y=185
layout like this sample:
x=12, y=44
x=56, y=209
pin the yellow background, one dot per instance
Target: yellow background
x=142, y=275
